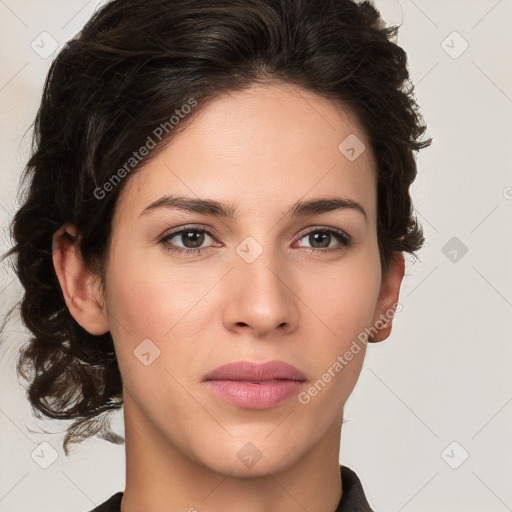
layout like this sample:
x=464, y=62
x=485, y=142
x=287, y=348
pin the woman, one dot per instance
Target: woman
x=214, y=229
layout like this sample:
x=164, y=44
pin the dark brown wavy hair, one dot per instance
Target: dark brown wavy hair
x=135, y=64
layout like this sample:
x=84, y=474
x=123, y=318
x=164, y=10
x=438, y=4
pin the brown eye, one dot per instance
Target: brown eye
x=186, y=240
x=320, y=239
x=192, y=239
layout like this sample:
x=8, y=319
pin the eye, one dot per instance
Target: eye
x=191, y=240
x=321, y=240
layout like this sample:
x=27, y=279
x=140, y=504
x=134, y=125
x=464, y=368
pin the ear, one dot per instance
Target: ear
x=80, y=286
x=388, y=298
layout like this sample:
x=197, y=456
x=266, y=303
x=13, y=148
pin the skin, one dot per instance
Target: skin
x=260, y=150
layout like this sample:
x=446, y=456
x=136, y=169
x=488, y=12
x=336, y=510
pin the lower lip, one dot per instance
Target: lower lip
x=250, y=395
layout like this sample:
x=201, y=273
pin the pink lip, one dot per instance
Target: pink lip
x=255, y=385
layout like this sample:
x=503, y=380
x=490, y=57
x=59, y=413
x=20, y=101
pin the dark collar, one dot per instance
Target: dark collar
x=353, y=498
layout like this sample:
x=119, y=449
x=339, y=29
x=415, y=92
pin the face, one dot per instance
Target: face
x=190, y=291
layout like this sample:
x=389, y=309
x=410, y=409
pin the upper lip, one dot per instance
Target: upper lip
x=249, y=371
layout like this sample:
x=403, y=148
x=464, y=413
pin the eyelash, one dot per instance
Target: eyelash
x=344, y=239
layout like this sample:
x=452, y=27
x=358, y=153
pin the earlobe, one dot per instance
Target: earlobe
x=388, y=298
x=79, y=284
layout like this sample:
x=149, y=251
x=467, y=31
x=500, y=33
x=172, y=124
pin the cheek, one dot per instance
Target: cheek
x=344, y=296
x=149, y=299
x=149, y=308
x=164, y=304
x=346, y=306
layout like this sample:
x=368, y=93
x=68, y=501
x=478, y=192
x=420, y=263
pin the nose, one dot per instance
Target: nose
x=260, y=297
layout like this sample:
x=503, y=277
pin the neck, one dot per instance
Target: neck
x=160, y=477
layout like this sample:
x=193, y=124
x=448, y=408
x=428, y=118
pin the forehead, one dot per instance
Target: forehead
x=265, y=146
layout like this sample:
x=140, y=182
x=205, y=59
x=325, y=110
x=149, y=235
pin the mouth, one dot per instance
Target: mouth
x=255, y=385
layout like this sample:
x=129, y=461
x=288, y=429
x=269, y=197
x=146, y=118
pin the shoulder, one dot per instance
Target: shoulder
x=113, y=504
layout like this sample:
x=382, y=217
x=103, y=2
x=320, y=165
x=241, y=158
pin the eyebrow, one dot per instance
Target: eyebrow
x=229, y=210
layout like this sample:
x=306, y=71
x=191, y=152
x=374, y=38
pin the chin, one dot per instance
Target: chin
x=233, y=468
x=252, y=456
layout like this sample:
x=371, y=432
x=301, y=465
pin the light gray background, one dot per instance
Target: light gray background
x=442, y=377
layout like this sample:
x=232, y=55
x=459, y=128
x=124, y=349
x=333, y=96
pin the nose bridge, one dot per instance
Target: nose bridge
x=261, y=267
x=260, y=293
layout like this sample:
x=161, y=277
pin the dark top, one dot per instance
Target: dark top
x=352, y=499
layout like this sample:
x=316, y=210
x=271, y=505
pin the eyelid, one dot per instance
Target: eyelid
x=188, y=227
x=309, y=229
